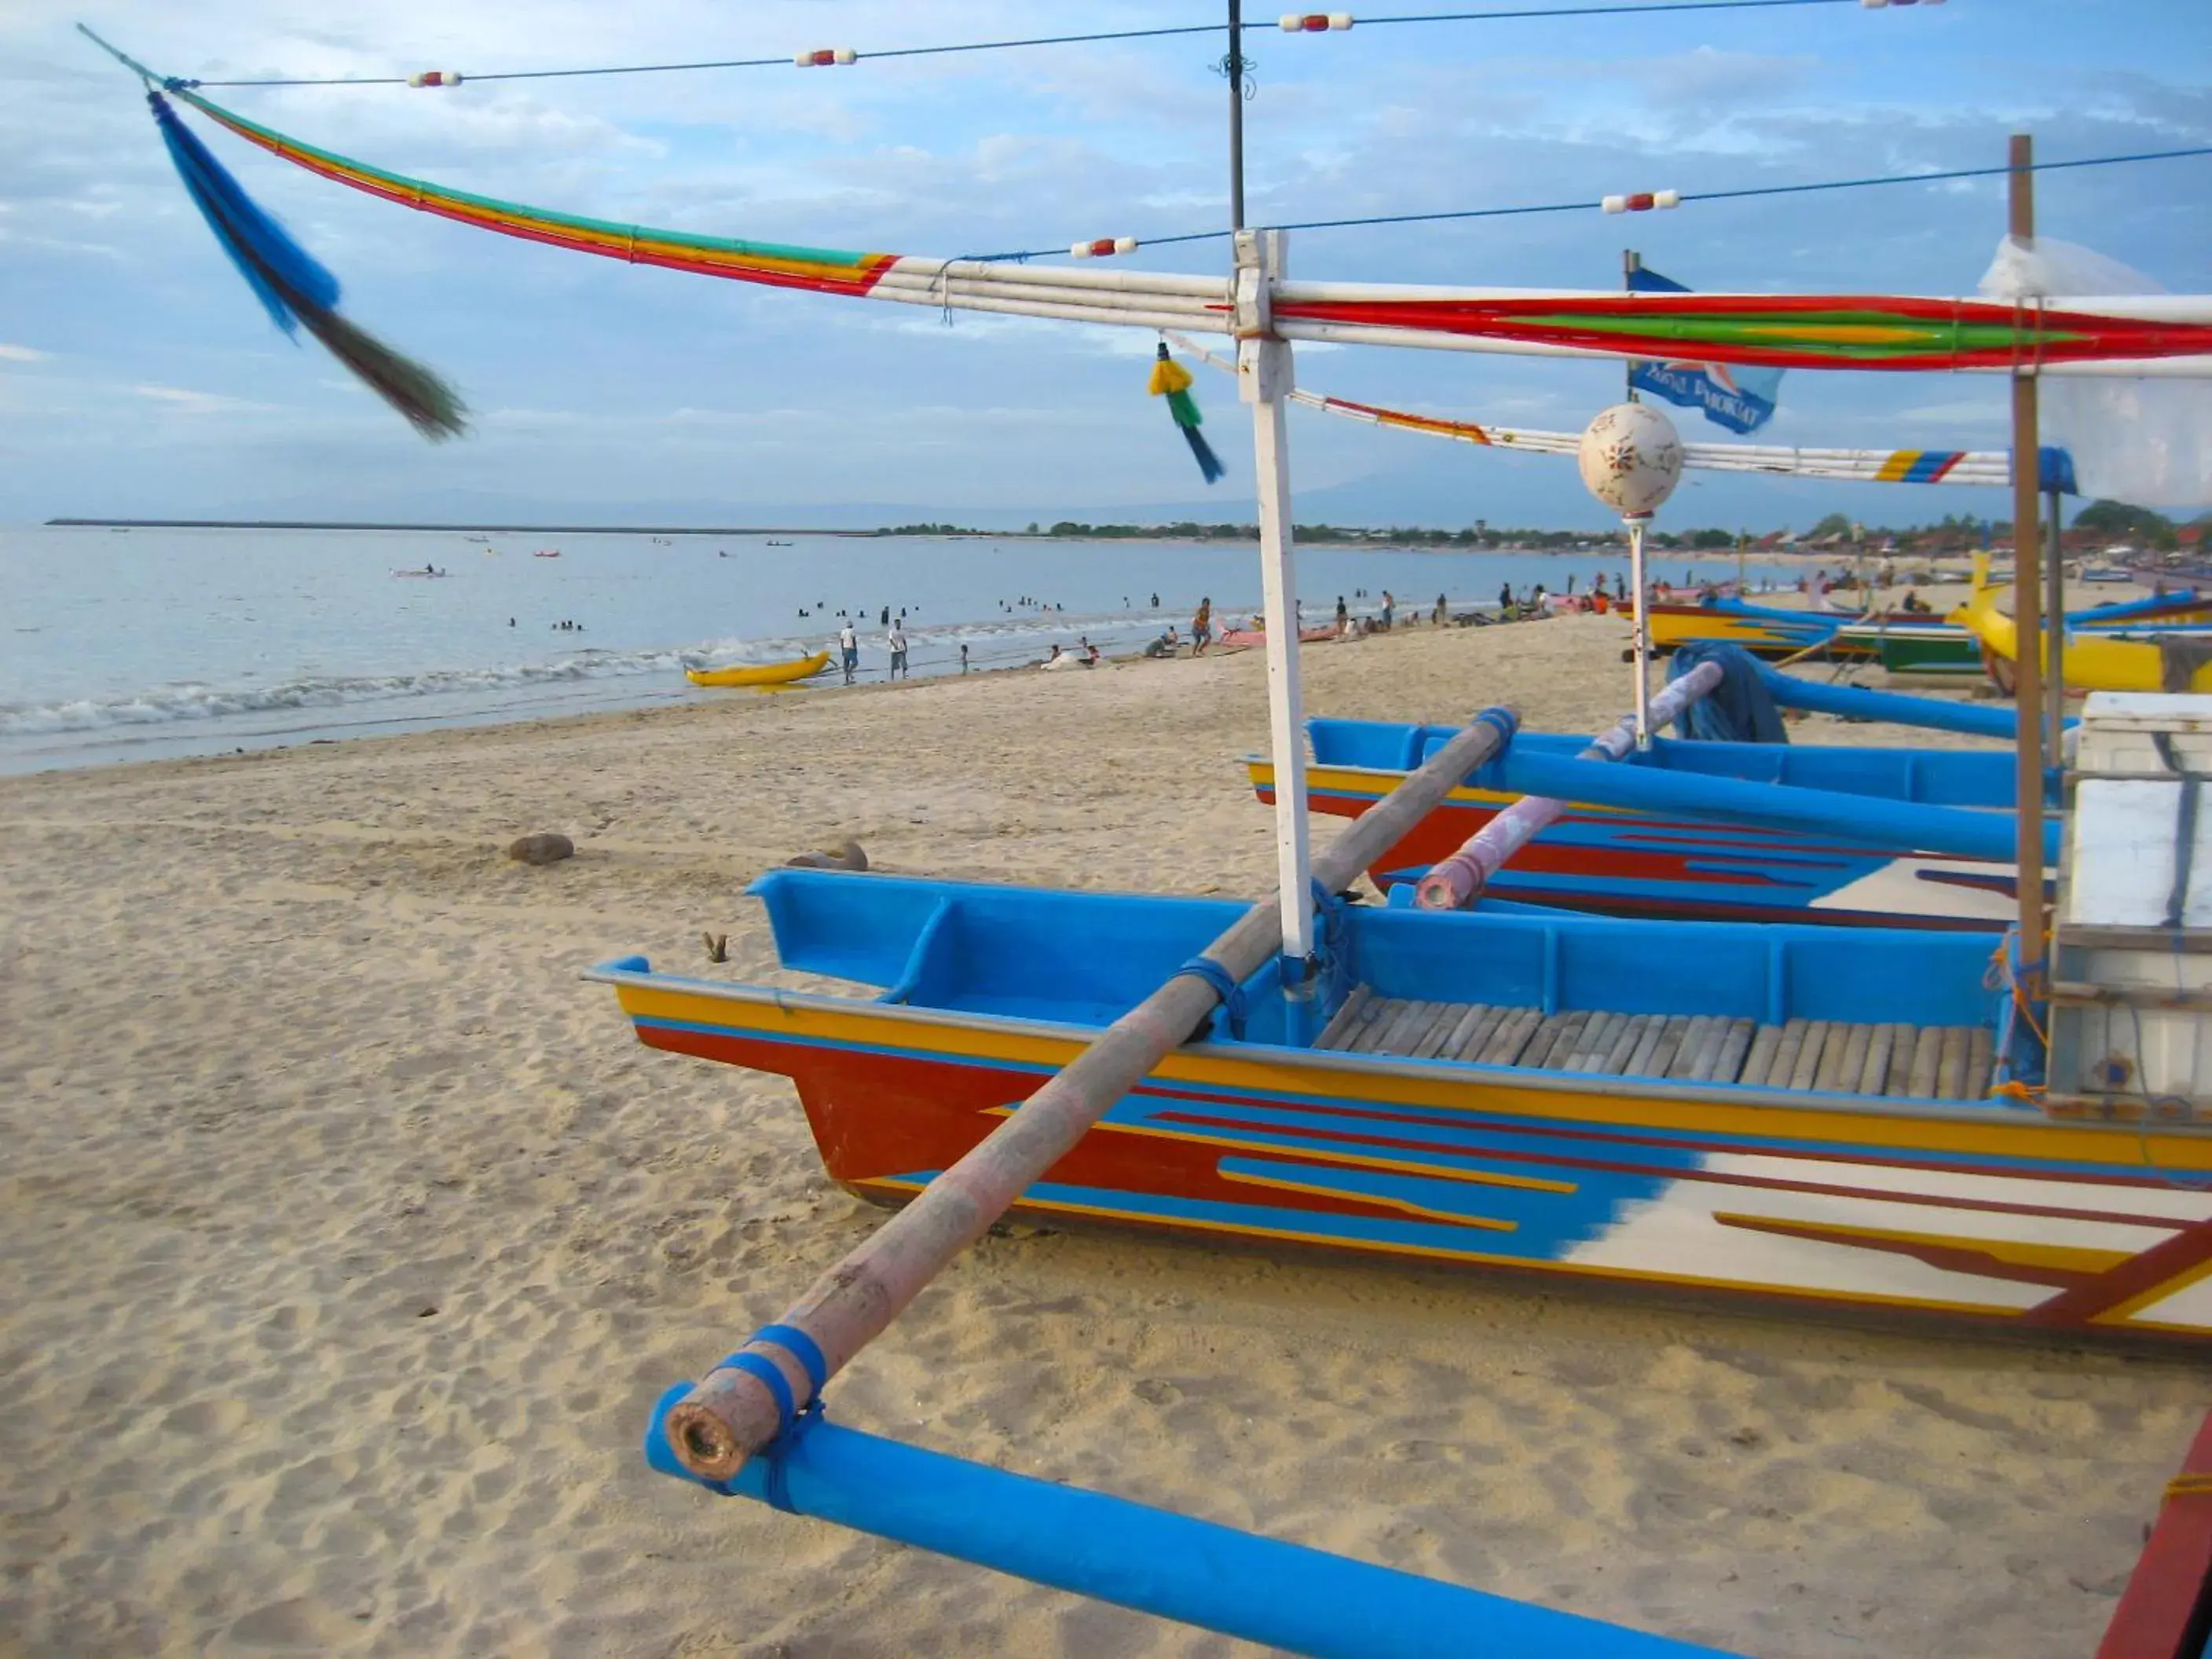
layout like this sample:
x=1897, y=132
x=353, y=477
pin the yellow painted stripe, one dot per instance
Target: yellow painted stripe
x=2122, y=1313
x=1894, y=469
x=1322, y=1189
x=2002, y=1134
x=1366, y=780
x=1669, y=628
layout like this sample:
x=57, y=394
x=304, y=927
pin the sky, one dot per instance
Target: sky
x=139, y=377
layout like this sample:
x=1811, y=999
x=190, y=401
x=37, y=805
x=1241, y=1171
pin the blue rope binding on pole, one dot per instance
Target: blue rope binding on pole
x=1224, y=986
x=1331, y=964
x=1740, y=709
x=1503, y=721
x=793, y=1420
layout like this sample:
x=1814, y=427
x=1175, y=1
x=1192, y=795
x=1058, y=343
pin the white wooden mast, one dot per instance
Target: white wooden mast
x=1264, y=376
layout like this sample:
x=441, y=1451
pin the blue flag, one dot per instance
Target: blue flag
x=1741, y=400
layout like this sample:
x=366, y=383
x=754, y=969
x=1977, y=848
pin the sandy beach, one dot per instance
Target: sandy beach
x=349, y=1238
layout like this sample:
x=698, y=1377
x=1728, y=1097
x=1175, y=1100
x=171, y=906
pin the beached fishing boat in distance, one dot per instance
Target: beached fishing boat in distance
x=1246, y=639
x=761, y=673
x=547, y=553
x=1902, y=641
x=1923, y=645
x=2156, y=655
x=1807, y=1115
x=1765, y=630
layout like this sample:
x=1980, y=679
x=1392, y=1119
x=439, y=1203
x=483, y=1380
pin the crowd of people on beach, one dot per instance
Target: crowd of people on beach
x=1360, y=613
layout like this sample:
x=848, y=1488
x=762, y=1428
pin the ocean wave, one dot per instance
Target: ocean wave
x=195, y=700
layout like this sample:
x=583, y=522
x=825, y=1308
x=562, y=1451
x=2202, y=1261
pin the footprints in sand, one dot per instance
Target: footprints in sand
x=208, y=1417
x=358, y=1080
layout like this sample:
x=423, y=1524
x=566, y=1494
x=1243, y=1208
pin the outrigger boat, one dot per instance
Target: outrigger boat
x=1916, y=645
x=1681, y=856
x=1931, y=644
x=1765, y=630
x=2140, y=658
x=1624, y=861
x=1805, y=1114
x=761, y=673
x=1902, y=641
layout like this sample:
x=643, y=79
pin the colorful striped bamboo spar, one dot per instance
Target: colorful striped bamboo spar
x=2120, y=335
x=1803, y=1118
x=1955, y=466
x=823, y=270
x=1925, y=466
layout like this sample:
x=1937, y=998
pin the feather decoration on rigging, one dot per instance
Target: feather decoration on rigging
x=1171, y=379
x=294, y=288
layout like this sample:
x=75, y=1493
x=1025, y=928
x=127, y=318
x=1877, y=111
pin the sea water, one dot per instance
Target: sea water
x=125, y=645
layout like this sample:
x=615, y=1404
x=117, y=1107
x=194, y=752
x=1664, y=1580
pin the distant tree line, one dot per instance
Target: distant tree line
x=2113, y=520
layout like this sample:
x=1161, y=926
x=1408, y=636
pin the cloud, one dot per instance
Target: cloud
x=21, y=354
x=703, y=391
x=186, y=402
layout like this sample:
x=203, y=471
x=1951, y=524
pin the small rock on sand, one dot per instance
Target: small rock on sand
x=542, y=849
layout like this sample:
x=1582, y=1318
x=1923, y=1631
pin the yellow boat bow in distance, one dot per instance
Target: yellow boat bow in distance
x=764, y=673
x=2093, y=661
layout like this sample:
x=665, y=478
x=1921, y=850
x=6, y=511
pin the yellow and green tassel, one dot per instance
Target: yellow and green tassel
x=1171, y=380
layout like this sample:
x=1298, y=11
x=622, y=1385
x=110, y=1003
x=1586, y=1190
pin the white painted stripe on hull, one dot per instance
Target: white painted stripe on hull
x=2156, y=1204
x=1896, y=889
x=1676, y=1236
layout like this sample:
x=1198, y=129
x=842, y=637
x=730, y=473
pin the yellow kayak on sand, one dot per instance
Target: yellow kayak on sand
x=764, y=673
x=2094, y=661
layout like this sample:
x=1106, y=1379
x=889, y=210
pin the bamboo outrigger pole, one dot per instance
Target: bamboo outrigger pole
x=735, y=1411
x=2027, y=597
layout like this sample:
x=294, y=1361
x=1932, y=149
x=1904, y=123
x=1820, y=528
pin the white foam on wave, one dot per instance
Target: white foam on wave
x=194, y=700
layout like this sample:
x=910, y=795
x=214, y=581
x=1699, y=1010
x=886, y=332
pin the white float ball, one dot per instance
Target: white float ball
x=1632, y=459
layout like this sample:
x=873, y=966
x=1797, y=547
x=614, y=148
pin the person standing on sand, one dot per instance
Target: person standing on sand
x=1202, y=628
x=896, y=639
x=849, y=646
x=963, y=657
x=1389, y=605
x=1505, y=597
x=1443, y=612
x=1342, y=613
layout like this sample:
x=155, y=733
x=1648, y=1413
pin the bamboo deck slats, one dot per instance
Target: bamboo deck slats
x=1902, y=1061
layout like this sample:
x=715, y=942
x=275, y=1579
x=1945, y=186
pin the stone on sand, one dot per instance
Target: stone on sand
x=541, y=849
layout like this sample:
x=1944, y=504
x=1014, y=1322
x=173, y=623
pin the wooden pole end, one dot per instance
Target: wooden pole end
x=704, y=1443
